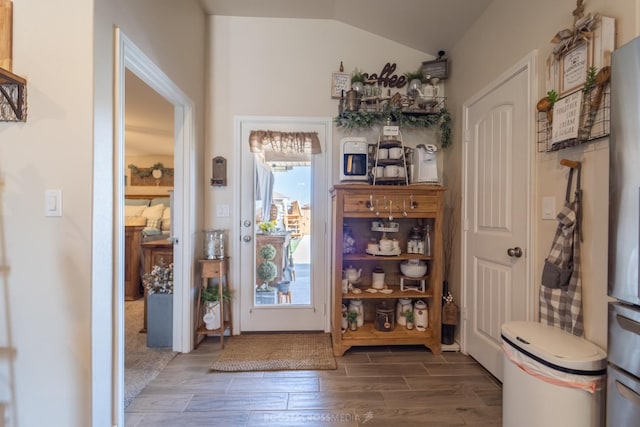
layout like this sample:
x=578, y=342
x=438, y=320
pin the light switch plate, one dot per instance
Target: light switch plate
x=549, y=207
x=53, y=203
x=222, y=210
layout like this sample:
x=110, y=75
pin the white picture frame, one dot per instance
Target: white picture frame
x=574, y=65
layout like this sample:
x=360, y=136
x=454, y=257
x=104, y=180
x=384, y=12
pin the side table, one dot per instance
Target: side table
x=214, y=269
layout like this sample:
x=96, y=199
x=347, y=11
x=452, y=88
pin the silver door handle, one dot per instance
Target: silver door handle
x=246, y=223
x=246, y=238
x=514, y=252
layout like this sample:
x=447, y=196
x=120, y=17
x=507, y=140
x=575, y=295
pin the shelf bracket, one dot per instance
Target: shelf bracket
x=13, y=102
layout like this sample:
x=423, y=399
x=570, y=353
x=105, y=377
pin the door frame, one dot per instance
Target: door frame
x=129, y=56
x=321, y=276
x=529, y=65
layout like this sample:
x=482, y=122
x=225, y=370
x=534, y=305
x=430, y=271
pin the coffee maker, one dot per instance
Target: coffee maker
x=425, y=163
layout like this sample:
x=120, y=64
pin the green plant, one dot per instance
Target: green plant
x=268, y=252
x=552, y=95
x=412, y=75
x=267, y=271
x=590, y=83
x=408, y=314
x=352, y=316
x=211, y=294
x=267, y=226
x=357, y=76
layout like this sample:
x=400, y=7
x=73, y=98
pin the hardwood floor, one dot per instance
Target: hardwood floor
x=373, y=386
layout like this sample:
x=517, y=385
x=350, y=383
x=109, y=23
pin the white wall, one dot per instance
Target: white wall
x=282, y=67
x=46, y=295
x=506, y=33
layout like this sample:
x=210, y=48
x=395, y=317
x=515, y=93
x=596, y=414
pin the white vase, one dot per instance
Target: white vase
x=212, y=315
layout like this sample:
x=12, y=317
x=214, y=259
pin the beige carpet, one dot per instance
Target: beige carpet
x=276, y=352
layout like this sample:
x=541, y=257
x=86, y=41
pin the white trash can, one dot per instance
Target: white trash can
x=551, y=378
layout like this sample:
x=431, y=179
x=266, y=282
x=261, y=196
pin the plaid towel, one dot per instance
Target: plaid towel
x=561, y=306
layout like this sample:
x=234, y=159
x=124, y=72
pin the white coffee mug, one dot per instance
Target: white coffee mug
x=391, y=171
x=378, y=172
x=395, y=152
x=401, y=171
x=383, y=153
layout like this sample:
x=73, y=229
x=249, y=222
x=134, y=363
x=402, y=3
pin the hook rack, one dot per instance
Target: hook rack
x=570, y=163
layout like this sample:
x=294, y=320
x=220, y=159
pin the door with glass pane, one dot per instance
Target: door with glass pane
x=284, y=211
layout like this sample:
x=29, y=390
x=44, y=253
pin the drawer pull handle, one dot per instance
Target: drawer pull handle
x=628, y=324
x=628, y=394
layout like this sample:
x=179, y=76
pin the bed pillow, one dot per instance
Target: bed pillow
x=133, y=210
x=166, y=219
x=153, y=215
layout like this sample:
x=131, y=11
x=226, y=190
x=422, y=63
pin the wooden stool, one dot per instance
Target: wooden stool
x=286, y=295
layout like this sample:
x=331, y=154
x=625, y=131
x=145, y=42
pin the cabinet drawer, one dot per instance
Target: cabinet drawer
x=360, y=203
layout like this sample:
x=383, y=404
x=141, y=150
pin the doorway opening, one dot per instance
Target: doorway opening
x=284, y=226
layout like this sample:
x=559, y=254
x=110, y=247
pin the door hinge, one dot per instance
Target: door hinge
x=464, y=313
x=466, y=138
x=465, y=225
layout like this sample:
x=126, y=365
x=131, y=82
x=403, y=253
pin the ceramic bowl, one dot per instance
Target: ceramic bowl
x=413, y=268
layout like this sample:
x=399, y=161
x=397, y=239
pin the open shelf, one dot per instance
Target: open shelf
x=13, y=97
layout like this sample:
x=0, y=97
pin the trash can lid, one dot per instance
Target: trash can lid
x=555, y=346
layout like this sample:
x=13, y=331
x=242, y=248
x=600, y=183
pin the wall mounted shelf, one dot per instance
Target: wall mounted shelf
x=13, y=97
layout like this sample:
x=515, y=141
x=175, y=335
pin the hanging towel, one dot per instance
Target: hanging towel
x=561, y=290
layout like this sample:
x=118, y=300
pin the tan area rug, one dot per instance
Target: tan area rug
x=276, y=352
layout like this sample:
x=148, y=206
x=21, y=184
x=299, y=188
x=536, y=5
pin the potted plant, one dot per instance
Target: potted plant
x=408, y=315
x=414, y=83
x=159, y=288
x=352, y=319
x=210, y=298
x=267, y=227
x=267, y=271
x=357, y=81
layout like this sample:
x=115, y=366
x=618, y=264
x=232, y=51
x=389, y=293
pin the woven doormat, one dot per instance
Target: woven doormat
x=276, y=352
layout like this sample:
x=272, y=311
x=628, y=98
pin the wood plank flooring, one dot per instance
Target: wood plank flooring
x=373, y=386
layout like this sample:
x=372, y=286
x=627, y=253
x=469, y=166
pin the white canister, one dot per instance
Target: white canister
x=356, y=305
x=395, y=152
x=377, y=278
x=345, y=322
x=420, y=315
x=211, y=317
x=402, y=306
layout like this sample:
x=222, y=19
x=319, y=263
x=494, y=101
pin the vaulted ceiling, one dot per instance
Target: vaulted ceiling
x=425, y=25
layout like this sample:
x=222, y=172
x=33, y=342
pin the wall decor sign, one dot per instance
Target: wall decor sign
x=566, y=117
x=157, y=175
x=574, y=65
x=340, y=82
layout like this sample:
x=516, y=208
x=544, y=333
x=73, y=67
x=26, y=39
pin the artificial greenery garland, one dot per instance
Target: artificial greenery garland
x=147, y=172
x=365, y=119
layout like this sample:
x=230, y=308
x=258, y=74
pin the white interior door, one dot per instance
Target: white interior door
x=305, y=307
x=496, y=212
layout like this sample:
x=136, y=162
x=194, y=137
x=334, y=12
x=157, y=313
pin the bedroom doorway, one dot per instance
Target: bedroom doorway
x=183, y=218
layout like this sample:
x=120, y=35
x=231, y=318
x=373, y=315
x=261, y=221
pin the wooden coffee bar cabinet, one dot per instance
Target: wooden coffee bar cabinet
x=355, y=209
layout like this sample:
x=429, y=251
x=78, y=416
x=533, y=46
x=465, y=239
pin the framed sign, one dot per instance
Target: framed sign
x=574, y=65
x=566, y=118
x=340, y=82
x=437, y=68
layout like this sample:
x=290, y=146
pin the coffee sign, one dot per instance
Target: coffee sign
x=386, y=78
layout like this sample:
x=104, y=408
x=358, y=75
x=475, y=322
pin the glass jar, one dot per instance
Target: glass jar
x=348, y=241
x=415, y=243
x=213, y=244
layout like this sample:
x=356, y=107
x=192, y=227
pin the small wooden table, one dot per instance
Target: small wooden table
x=213, y=269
